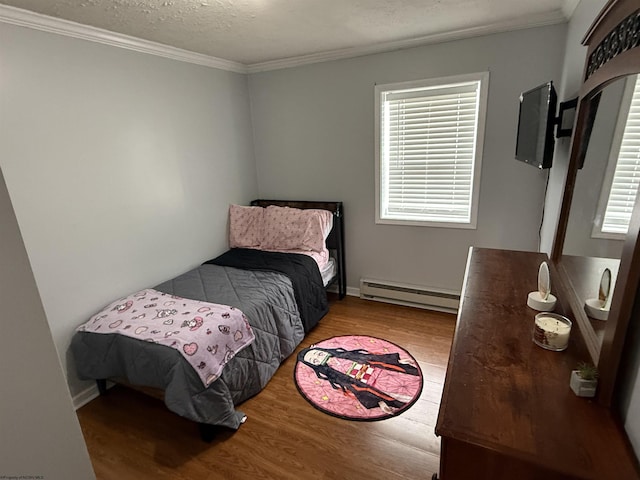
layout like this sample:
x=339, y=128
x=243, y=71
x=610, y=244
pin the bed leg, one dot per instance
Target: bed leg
x=207, y=432
x=102, y=386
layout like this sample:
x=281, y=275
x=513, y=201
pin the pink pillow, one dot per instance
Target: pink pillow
x=245, y=226
x=287, y=228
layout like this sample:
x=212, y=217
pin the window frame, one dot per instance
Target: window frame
x=449, y=81
x=612, y=163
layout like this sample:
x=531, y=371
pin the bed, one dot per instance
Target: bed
x=264, y=301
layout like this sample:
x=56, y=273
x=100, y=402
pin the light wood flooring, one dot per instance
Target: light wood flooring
x=132, y=436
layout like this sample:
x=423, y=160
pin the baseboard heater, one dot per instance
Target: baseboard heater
x=410, y=295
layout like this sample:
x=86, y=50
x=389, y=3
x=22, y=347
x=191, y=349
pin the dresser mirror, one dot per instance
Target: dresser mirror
x=593, y=244
x=588, y=242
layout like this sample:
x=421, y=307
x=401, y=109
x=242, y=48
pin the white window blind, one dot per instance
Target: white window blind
x=429, y=152
x=626, y=178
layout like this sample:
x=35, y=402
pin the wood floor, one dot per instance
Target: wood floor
x=132, y=436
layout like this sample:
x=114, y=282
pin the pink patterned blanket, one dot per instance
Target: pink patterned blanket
x=208, y=335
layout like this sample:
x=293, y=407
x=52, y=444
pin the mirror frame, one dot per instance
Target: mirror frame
x=613, y=51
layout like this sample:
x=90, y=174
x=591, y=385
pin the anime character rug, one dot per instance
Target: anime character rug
x=358, y=377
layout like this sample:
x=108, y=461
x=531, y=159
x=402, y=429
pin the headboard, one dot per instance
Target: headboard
x=335, y=240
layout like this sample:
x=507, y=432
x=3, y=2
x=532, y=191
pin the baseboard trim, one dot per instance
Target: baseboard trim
x=351, y=291
x=85, y=396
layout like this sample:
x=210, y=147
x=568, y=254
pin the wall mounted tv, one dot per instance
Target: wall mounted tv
x=536, y=121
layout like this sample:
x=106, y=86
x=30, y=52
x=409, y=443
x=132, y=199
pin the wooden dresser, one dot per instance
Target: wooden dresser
x=507, y=411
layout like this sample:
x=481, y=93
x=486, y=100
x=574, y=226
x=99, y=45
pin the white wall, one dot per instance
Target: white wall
x=628, y=401
x=41, y=436
x=120, y=167
x=314, y=138
x=568, y=88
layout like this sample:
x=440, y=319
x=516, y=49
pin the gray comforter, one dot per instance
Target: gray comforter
x=268, y=301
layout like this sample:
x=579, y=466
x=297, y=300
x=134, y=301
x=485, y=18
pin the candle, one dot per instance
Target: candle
x=551, y=331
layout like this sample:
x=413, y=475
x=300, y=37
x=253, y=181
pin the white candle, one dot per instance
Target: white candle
x=551, y=331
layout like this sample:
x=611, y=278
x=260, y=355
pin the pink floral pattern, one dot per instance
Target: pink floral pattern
x=245, y=226
x=296, y=229
x=208, y=335
x=281, y=229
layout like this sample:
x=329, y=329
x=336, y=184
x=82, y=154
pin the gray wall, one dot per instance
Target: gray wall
x=120, y=167
x=40, y=431
x=314, y=138
x=585, y=13
x=568, y=87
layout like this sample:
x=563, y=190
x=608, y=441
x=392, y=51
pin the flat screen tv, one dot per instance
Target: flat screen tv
x=536, y=121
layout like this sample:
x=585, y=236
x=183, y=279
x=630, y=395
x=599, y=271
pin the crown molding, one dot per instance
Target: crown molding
x=568, y=7
x=543, y=20
x=45, y=23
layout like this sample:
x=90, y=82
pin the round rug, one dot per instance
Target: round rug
x=358, y=377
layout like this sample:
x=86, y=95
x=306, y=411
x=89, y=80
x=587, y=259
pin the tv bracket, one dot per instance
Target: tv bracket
x=564, y=126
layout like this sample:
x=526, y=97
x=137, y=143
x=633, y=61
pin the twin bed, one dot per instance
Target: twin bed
x=231, y=321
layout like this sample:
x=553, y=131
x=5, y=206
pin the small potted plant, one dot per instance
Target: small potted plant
x=584, y=380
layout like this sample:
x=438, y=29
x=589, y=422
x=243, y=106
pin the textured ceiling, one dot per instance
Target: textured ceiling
x=256, y=31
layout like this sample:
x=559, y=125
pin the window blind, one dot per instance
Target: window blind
x=626, y=178
x=428, y=146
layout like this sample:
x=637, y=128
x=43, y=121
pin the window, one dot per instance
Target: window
x=428, y=150
x=620, y=186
